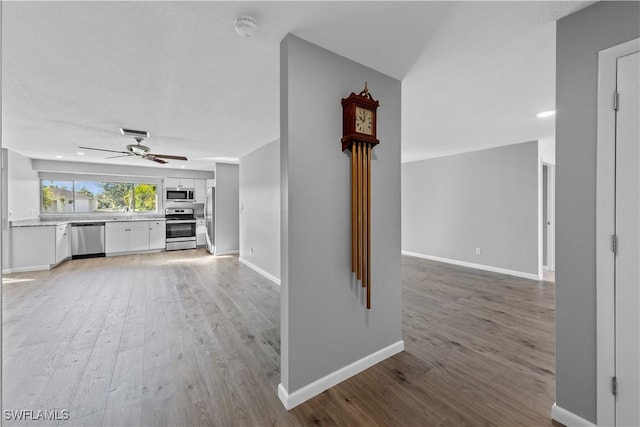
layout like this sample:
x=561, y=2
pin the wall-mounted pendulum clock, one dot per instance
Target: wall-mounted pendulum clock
x=359, y=137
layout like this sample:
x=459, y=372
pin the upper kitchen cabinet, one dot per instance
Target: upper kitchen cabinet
x=179, y=182
x=201, y=190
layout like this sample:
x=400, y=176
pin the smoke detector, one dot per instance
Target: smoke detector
x=245, y=26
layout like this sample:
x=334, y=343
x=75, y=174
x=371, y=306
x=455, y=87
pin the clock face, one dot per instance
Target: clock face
x=364, y=121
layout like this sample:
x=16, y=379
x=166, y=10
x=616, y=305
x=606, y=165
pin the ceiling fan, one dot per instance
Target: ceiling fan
x=138, y=150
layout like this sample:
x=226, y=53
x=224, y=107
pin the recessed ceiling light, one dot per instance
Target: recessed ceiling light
x=58, y=157
x=182, y=166
x=544, y=114
x=80, y=153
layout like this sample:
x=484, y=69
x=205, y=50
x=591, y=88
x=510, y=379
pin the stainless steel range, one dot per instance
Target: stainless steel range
x=181, y=228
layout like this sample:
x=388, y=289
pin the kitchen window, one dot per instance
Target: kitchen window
x=97, y=197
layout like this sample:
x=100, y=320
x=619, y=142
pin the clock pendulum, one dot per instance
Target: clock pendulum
x=359, y=137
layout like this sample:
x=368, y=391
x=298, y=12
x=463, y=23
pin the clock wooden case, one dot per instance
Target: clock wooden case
x=359, y=119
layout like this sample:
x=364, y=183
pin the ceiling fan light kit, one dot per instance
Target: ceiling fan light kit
x=245, y=26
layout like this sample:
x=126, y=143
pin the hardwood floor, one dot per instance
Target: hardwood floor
x=182, y=338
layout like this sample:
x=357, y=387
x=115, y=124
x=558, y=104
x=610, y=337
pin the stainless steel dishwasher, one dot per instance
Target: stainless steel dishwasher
x=87, y=240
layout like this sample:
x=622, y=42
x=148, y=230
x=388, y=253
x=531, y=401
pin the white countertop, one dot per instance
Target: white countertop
x=44, y=222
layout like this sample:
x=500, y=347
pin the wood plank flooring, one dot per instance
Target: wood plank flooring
x=183, y=338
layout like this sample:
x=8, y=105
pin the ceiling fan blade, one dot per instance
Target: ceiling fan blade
x=102, y=149
x=123, y=155
x=167, y=156
x=153, y=159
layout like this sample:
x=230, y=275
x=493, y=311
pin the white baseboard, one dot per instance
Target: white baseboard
x=291, y=400
x=26, y=269
x=236, y=252
x=567, y=418
x=254, y=267
x=477, y=266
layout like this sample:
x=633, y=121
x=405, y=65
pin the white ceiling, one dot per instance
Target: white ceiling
x=474, y=73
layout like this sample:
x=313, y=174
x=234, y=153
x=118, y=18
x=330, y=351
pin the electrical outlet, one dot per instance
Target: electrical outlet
x=478, y=251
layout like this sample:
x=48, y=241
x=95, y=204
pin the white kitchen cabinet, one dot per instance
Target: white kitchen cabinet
x=129, y=236
x=33, y=248
x=170, y=182
x=116, y=236
x=139, y=236
x=157, y=234
x=201, y=233
x=200, y=189
x=63, y=242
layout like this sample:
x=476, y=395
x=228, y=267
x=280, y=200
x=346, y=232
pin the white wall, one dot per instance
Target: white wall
x=23, y=185
x=325, y=325
x=260, y=208
x=485, y=199
x=227, y=222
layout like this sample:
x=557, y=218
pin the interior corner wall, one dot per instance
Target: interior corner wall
x=485, y=199
x=227, y=223
x=325, y=325
x=579, y=38
x=260, y=208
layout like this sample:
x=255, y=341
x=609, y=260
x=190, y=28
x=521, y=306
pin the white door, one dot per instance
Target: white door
x=627, y=224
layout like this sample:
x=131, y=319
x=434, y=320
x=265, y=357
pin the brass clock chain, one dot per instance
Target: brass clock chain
x=369, y=148
x=361, y=214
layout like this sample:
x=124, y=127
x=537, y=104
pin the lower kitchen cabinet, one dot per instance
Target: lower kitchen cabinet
x=157, y=234
x=139, y=236
x=39, y=247
x=130, y=236
x=63, y=242
x=134, y=236
x=116, y=238
x=201, y=233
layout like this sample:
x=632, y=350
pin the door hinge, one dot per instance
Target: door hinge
x=614, y=244
x=616, y=100
x=614, y=386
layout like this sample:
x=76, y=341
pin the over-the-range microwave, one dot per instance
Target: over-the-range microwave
x=179, y=195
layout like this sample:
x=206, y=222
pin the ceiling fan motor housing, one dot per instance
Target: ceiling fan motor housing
x=138, y=149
